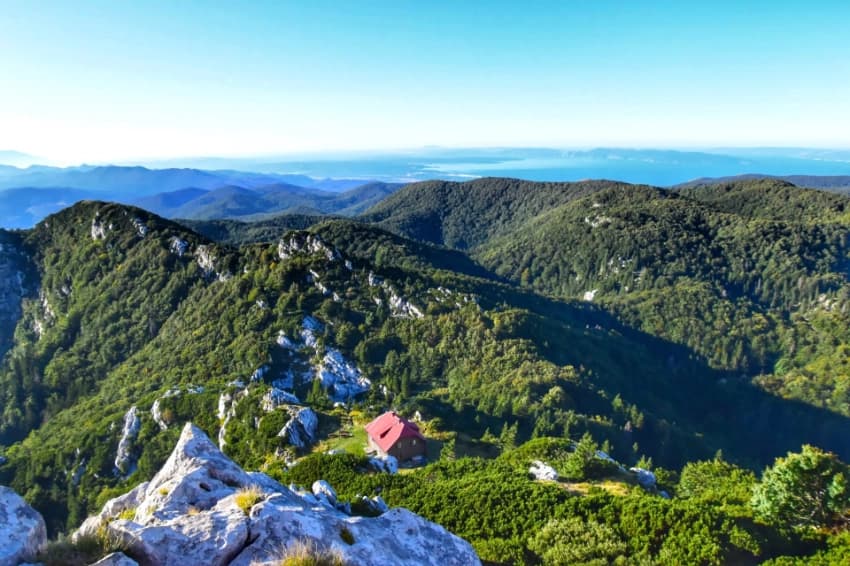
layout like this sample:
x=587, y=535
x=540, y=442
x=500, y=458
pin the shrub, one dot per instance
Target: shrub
x=573, y=541
x=247, y=497
x=128, y=514
x=307, y=553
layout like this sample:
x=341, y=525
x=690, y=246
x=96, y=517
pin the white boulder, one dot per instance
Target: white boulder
x=156, y=415
x=543, y=471
x=324, y=492
x=141, y=227
x=98, y=229
x=309, y=328
x=388, y=464
x=22, y=530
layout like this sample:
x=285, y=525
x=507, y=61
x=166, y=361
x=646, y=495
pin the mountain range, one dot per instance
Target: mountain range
x=28, y=195
x=516, y=320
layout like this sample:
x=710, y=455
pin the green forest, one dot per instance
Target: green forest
x=699, y=333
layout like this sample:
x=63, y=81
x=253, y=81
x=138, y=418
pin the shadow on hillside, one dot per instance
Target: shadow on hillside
x=721, y=410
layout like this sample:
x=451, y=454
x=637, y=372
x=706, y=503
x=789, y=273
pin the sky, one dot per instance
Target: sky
x=95, y=81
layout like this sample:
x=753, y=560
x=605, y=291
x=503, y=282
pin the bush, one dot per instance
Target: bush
x=307, y=553
x=573, y=541
x=247, y=497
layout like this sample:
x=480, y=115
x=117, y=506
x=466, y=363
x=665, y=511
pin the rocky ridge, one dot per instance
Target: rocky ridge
x=201, y=508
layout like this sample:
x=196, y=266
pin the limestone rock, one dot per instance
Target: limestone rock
x=388, y=464
x=98, y=229
x=302, y=243
x=275, y=398
x=543, y=471
x=116, y=559
x=156, y=415
x=124, y=461
x=341, y=378
x=141, y=227
x=178, y=246
x=189, y=513
x=206, y=260
x=301, y=429
x=22, y=530
x=323, y=491
x=645, y=478
x=403, y=308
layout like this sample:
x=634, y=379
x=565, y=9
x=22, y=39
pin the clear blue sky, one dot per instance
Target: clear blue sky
x=87, y=80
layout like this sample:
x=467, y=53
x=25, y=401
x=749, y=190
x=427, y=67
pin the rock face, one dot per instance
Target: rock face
x=196, y=510
x=301, y=428
x=302, y=243
x=341, y=378
x=178, y=246
x=124, y=461
x=22, y=530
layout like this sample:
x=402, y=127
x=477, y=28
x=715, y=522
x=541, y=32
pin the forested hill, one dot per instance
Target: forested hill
x=751, y=275
x=135, y=324
x=836, y=183
x=466, y=215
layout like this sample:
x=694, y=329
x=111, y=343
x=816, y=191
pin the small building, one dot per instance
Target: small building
x=393, y=435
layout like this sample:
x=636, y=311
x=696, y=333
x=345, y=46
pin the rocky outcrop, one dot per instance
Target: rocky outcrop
x=22, y=530
x=99, y=229
x=310, y=327
x=301, y=429
x=206, y=261
x=124, y=461
x=141, y=227
x=178, y=246
x=645, y=478
x=402, y=307
x=543, y=471
x=275, y=398
x=156, y=415
x=340, y=377
x=386, y=463
x=302, y=243
x=201, y=508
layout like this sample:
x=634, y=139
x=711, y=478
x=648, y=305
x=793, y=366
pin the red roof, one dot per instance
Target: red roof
x=389, y=428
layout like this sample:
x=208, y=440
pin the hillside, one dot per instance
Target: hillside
x=836, y=183
x=465, y=215
x=751, y=276
x=131, y=307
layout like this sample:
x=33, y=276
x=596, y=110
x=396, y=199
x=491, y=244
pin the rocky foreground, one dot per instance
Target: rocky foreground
x=203, y=509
